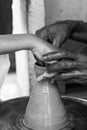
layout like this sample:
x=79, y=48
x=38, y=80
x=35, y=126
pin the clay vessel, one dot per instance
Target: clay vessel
x=45, y=110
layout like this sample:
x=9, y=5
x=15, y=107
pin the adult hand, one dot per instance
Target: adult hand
x=59, y=32
x=70, y=67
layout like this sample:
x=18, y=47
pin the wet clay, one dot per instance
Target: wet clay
x=12, y=113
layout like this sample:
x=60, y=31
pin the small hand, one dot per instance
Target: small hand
x=69, y=67
x=41, y=47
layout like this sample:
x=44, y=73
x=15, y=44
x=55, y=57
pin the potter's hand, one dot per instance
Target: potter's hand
x=70, y=67
x=59, y=32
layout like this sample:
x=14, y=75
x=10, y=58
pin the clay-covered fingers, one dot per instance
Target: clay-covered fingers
x=74, y=74
x=69, y=66
x=62, y=66
x=79, y=76
x=66, y=66
x=69, y=71
x=59, y=55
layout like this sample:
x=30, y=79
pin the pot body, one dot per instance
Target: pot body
x=45, y=110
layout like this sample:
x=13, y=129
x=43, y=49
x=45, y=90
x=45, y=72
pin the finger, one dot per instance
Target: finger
x=63, y=32
x=66, y=66
x=62, y=66
x=80, y=80
x=57, y=55
x=74, y=76
x=59, y=39
x=42, y=33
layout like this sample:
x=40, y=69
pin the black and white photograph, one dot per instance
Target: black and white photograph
x=43, y=64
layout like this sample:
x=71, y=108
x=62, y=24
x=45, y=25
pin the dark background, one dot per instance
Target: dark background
x=6, y=25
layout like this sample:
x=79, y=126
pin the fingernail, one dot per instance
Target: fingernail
x=44, y=57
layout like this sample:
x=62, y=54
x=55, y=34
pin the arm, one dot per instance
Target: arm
x=10, y=43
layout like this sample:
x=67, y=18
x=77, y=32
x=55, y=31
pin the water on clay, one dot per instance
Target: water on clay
x=12, y=114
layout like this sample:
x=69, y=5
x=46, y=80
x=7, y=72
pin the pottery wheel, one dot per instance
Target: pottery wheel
x=12, y=113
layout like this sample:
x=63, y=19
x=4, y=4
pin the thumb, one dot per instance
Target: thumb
x=42, y=33
x=59, y=40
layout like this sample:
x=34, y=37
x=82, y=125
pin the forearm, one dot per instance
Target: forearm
x=11, y=43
